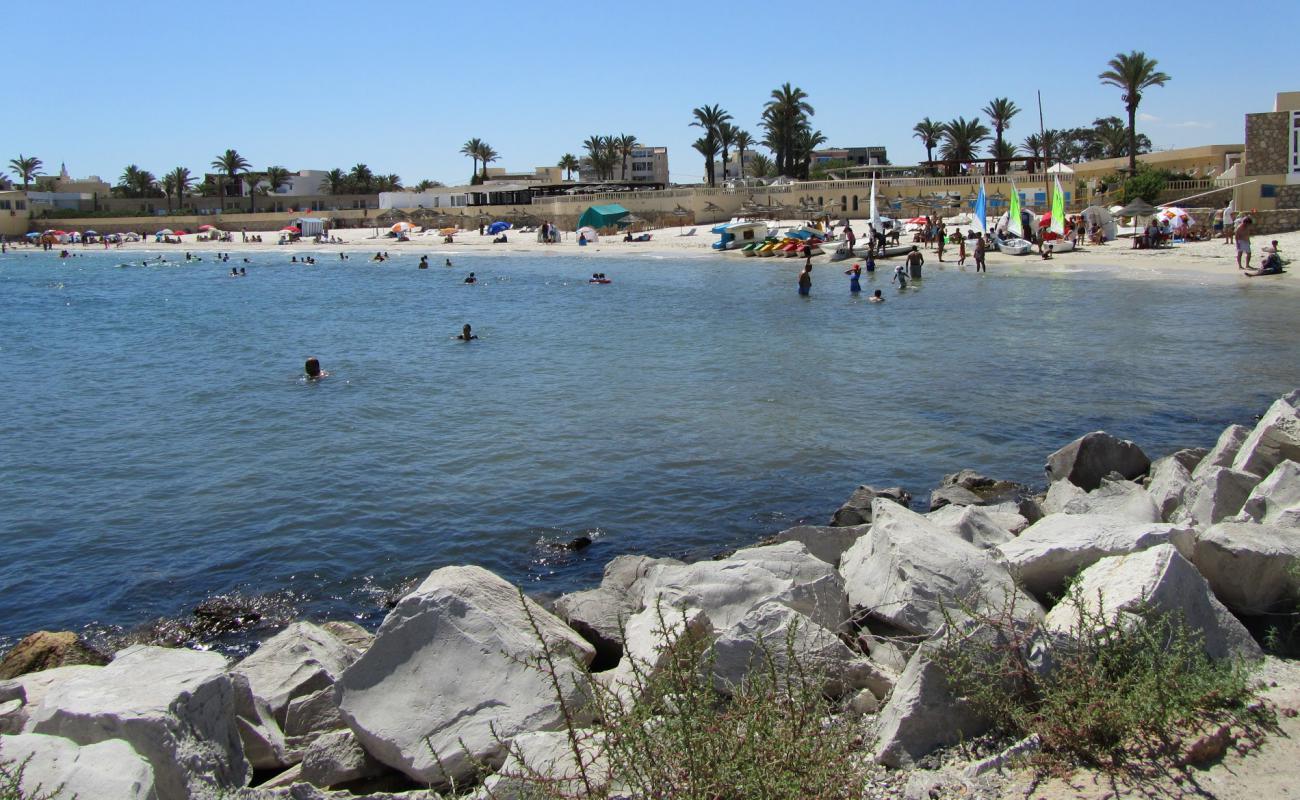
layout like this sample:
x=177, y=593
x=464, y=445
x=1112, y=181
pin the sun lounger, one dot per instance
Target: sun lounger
x=691, y=232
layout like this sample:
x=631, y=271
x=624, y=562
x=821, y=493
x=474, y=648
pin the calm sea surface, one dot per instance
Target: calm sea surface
x=158, y=444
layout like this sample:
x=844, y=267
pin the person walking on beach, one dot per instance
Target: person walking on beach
x=979, y=255
x=805, y=280
x=850, y=237
x=1242, y=235
x=961, y=249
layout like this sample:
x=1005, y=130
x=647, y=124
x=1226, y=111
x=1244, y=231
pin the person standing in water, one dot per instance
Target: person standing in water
x=313, y=370
x=855, y=276
x=900, y=277
x=805, y=280
x=424, y=262
x=471, y=279
x=465, y=334
x=979, y=255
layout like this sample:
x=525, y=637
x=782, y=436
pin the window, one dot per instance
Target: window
x=1295, y=143
x=4, y=205
x=21, y=205
x=855, y=202
x=1268, y=190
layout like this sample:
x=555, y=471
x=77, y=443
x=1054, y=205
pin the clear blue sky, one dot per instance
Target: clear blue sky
x=401, y=86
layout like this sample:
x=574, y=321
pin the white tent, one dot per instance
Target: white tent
x=1098, y=217
x=1059, y=169
x=589, y=232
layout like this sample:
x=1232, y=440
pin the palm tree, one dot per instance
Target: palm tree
x=26, y=168
x=231, y=163
x=708, y=148
x=471, y=149
x=930, y=133
x=425, y=185
x=961, y=137
x=760, y=166
x=711, y=119
x=568, y=162
x=726, y=138
x=1000, y=110
x=486, y=155
x=136, y=182
x=625, y=143
x=743, y=142
x=253, y=179
x=361, y=179
x=785, y=116
x=275, y=178
x=1003, y=151
x=335, y=182
x=177, y=183
x=1132, y=72
x=1033, y=145
x=805, y=142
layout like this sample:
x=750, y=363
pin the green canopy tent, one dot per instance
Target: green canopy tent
x=602, y=216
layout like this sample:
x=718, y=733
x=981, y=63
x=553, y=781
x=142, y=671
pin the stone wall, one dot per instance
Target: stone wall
x=1288, y=197
x=1270, y=222
x=1267, y=147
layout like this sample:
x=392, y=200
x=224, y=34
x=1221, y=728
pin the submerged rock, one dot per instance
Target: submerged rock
x=46, y=649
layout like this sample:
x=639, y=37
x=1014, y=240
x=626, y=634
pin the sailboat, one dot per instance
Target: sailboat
x=1013, y=244
x=1057, y=225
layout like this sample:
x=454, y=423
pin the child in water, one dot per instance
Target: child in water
x=313, y=370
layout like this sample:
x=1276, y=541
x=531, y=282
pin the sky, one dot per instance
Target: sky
x=401, y=86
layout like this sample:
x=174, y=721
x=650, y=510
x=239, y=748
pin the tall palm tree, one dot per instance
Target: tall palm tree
x=361, y=178
x=471, y=149
x=626, y=143
x=1000, y=110
x=393, y=182
x=1033, y=145
x=568, y=162
x=486, y=155
x=711, y=119
x=425, y=185
x=785, y=116
x=1004, y=150
x=275, y=178
x=961, y=137
x=760, y=166
x=805, y=142
x=594, y=145
x=254, y=180
x=335, y=182
x=930, y=133
x=26, y=168
x=743, y=142
x=1132, y=72
x=231, y=163
x=726, y=138
x=177, y=183
x=707, y=147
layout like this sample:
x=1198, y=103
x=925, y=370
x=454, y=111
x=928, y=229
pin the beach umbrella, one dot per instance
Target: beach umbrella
x=164, y=232
x=205, y=227
x=631, y=219
x=400, y=227
x=498, y=227
x=290, y=229
x=182, y=232
x=32, y=235
x=96, y=233
x=1137, y=208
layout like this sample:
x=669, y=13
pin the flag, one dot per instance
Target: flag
x=875, y=214
x=981, y=209
x=1013, y=216
x=1058, y=209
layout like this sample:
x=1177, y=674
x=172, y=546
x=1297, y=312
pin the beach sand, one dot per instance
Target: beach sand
x=1210, y=263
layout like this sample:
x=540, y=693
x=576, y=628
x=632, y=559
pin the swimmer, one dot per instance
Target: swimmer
x=243, y=272
x=871, y=262
x=465, y=334
x=877, y=298
x=424, y=262
x=448, y=264
x=378, y=257
x=234, y=273
x=471, y=279
x=313, y=370
x=805, y=279
x=293, y=260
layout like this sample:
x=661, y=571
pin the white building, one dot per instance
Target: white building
x=645, y=165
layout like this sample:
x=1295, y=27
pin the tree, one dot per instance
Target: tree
x=275, y=178
x=785, y=117
x=425, y=185
x=711, y=119
x=625, y=143
x=335, y=182
x=743, y=142
x=1003, y=151
x=361, y=179
x=136, y=182
x=1132, y=72
x=726, y=138
x=804, y=144
x=388, y=183
x=1000, y=110
x=708, y=148
x=1033, y=145
x=486, y=155
x=471, y=149
x=568, y=162
x=26, y=168
x=231, y=163
x=253, y=179
x=176, y=183
x=930, y=133
x=961, y=137
x=760, y=166
x=603, y=153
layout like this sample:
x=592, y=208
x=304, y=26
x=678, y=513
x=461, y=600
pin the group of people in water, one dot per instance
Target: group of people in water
x=915, y=260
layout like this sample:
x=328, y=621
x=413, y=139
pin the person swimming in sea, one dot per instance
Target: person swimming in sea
x=424, y=262
x=378, y=257
x=465, y=334
x=234, y=273
x=855, y=276
x=243, y=271
x=471, y=279
x=313, y=370
x=871, y=262
x=876, y=297
x=448, y=264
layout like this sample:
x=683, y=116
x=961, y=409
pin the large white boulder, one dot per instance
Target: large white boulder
x=907, y=570
x=773, y=633
x=312, y=714
x=260, y=733
x=1117, y=499
x=1088, y=459
x=335, y=758
x=108, y=770
x=1051, y=551
x=1158, y=580
x=445, y=669
x=543, y=764
x=1217, y=494
x=1169, y=480
x=1250, y=567
x=727, y=589
x=1060, y=494
x=301, y=659
x=1276, y=499
x=653, y=636
x=1276, y=438
x=981, y=527
x=176, y=708
x=29, y=690
x=827, y=542
x=598, y=613
x=1224, y=451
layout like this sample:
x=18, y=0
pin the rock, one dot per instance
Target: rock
x=545, y=759
x=1250, y=567
x=953, y=496
x=983, y=528
x=857, y=509
x=774, y=632
x=729, y=588
x=1208, y=747
x=1060, y=494
x=349, y=633
x=907, y=570
x=107, y=770
x=313, y=714
x=445, y=665
x=12, y=716
x=1158, y=579
x=1123, y=499
x=1224, y=451
x=652, y=636
x=827, y=542
x=45, y=649
x=1086, y=460
x=336, y=758
x=297, y=661
x=1217, y=494
x=987, y=488
x=30, y=691
x=1054, y=549
x=597, y=615
x=628, y=573
x=1169, y=480
x=260, y=734
x=176, y=708
x=888, y=646
x=864, y=702
x=1275, y=439
x=1271, y=500
x=1190, y=457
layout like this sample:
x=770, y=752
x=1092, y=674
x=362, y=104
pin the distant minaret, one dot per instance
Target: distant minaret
x=63, y=171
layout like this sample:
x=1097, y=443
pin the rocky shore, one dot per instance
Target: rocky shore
x=451, y=684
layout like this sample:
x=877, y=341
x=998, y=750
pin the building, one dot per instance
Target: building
x=14, y=213
x=645, y=165
x=734, y=168
x=1203, y=161
x=1270, y=172
x=855, y=156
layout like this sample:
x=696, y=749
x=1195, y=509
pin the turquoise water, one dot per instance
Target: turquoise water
x=158, y=444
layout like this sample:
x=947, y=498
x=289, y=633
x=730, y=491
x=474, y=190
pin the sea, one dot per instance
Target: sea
x=159, y=445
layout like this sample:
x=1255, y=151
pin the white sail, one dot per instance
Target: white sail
x=875, y=213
